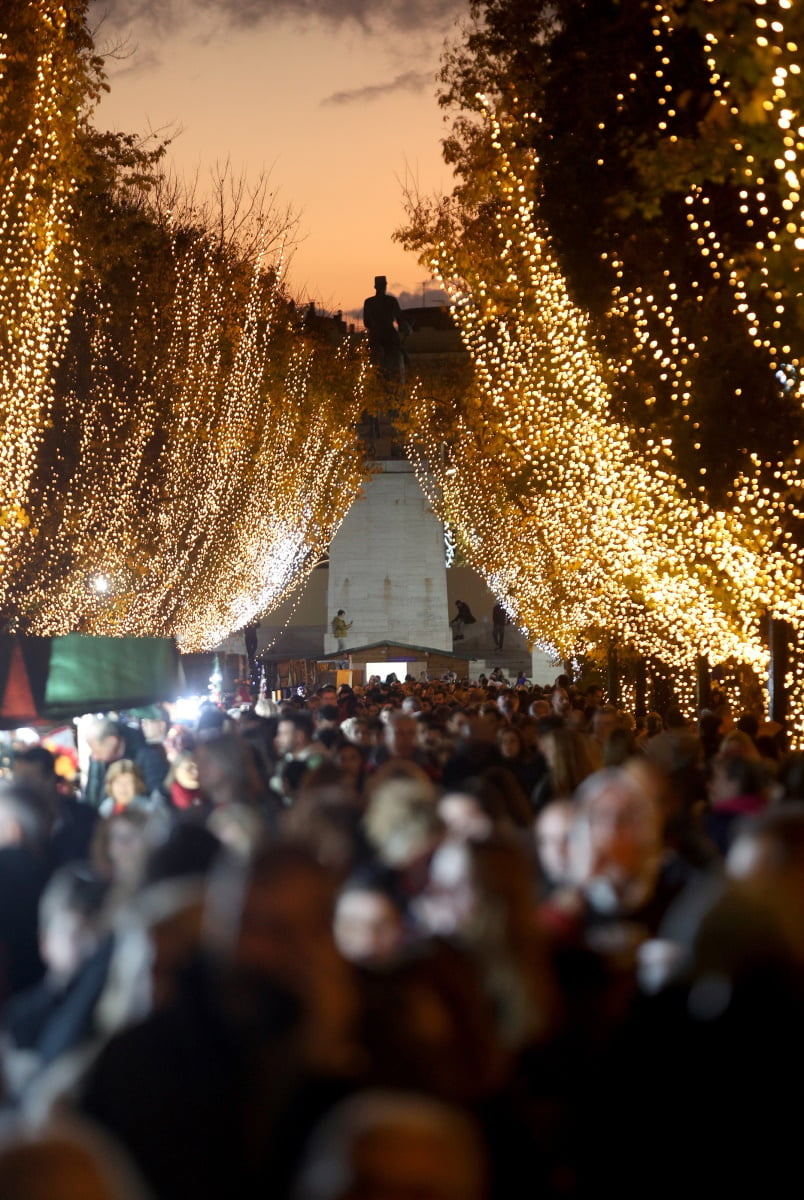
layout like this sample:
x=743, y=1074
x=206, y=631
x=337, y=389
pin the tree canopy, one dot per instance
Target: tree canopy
x=179, y=446
x=669, y=179
x=622, y=248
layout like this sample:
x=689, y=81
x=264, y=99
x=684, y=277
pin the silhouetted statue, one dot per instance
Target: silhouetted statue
x=383, y=320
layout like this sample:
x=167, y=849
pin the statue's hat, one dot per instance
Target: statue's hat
x=379, y=280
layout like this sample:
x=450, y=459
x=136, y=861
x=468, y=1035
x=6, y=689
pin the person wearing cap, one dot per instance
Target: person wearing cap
x=151, y=758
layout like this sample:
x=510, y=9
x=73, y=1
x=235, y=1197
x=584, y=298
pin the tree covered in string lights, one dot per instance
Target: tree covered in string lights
x=584, y=533
x=187, y=441
x=669, y=150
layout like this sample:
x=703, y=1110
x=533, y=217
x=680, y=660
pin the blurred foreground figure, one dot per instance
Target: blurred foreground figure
x=64, y=1161
x=393, y=1146
x=213, y=1094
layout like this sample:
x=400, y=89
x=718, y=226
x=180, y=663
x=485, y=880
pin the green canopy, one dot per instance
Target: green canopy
x=52, y=679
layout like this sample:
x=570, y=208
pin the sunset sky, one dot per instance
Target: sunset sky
x=336, y=99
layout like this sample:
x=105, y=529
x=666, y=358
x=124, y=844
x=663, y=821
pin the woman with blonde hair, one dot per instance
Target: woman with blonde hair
x=125, y=787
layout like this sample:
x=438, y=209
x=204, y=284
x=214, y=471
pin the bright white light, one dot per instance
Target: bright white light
x=29, y=736
x=101, y=584
x=384, y=669
x=187, y=708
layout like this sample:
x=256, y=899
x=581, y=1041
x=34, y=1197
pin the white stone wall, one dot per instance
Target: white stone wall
x=386, y=566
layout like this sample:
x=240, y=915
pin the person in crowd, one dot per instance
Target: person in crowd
x=120, y=848
x=73, y=822
x=553, y=831
x=178, y=740
x=62, y=1160
x=351, y=762
x=108, y=741
x=258, y=1043
x=605, y=719
x=528, y=768
x=737, y=788
x=151, y=758
x=400, y=743
x=560, y=703
x=571, y=758
x=125, y=787
x=369, y=920
x=482, y=892
x=555, y=963
x=183, y=784
x=627, y=882
x=25, y=822
x=619, y=746
x=390, y=1146
x=55, y=1015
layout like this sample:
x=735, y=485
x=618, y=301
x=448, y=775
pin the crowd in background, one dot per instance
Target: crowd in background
x=413, y=941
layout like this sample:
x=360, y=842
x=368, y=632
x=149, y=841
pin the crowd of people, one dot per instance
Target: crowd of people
x=412, y=941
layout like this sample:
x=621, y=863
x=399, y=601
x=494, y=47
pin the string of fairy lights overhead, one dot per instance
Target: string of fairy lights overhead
x=38, y=273
x=211, y=468
x=584, y=534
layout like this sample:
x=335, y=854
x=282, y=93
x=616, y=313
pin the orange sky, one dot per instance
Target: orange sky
x=311, y=103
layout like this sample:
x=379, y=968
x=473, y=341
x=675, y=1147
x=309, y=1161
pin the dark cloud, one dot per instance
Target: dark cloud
x=401, y=16
x=410, y=81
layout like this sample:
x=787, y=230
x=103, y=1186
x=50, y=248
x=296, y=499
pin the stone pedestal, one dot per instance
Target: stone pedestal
x=387, y=566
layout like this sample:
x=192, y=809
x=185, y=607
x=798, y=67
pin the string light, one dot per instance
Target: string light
x=259, y=464
x=584, y=534
x=38, y=272
x=211, y=467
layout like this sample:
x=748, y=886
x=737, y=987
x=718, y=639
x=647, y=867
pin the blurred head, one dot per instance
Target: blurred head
x=604, y=722
x=560, y=702
x=392, y=1146
x=356, y=730
x=36, y=767
x=766, y=860
x=733, y=775
x=464, y=816
x=294, y=733
x=155, y=725
x=26, y=815
x=572, y=757
x=553, y=841
x=369, y=925
x=126, y=846
x=510, y=742
x=179, y=740
x=64, y=1160
x=508, y=703
x=618, y=747
x=184, y=772
x=400, y=735
x=69, y=918
x=349, y=758
x=401, y=819
x=269, y=925
x=105, y=740
x=227, y=769
x=429, y=735
x=123, y=781
x=327, y=717
x=622, y=827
